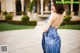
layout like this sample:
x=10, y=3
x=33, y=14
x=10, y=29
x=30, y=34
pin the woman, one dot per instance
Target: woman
x=51, y=41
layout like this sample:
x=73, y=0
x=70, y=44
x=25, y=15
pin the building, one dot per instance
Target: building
x=42, y=7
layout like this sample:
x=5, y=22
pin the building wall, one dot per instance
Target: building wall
x=9, y=5
x=3, y=5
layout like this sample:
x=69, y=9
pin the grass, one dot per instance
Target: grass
x=76, y=27
x=5, y=27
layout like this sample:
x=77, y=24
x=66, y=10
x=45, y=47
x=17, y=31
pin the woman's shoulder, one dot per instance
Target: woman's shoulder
x=57, y=16
x=53, y=14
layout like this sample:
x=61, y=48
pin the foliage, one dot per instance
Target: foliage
x=67, y=18
x=32, y=23
x=8, y=17
x=31, y=5
x=25, y=18
x=71, y=22
x=5, y=13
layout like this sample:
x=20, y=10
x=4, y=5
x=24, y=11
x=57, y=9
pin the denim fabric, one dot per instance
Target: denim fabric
x=51, y=41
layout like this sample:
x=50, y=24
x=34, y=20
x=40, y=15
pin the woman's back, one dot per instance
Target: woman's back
x=58, y=18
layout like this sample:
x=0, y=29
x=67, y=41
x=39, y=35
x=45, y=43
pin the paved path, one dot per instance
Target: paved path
x=29, y=40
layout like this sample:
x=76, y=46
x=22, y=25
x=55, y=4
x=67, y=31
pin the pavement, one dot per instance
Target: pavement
x=29, y=40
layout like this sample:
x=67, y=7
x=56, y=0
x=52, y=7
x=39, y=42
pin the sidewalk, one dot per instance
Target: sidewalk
x=29, y=40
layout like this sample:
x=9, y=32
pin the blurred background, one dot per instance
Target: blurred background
x=22, y=23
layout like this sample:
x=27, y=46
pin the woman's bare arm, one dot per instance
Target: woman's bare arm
x=51, y=18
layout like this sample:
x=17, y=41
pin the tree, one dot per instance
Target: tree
x=30, y=9
x=31, y=5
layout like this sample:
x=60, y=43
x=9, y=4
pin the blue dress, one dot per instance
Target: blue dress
x=51, y=41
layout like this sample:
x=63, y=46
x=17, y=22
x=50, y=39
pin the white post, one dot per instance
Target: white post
x=31, y=14
x=22, y=3
x=41, y=7
x=72, y=13
x=14, y=8
x=47, y=5
x=51, y=5
x=71, y=6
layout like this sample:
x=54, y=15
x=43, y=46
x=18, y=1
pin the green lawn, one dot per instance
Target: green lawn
x=5, y=27
x=76, y=27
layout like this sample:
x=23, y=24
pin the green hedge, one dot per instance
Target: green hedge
x=67, y=18
x=32, y=23
x=70, y=22
x=2, y=21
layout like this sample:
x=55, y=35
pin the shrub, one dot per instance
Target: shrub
x=11, y=13
x=67, y=18
x=71, y=22
x=31, y=23
x=8, y=17
x=2, y=21
x=25, y=18
x=5, y=13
